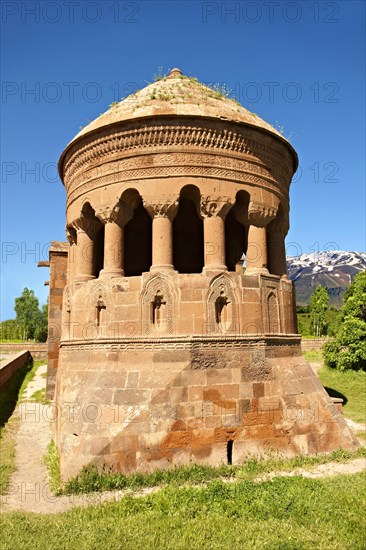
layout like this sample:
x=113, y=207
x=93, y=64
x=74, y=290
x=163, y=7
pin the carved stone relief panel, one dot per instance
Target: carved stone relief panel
x=222, y=307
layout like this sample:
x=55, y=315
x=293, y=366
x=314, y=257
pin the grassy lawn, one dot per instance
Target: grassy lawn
x=350, y=385
x=15, y=341
x=313, y=355
x=286, y=513
x=91, y=480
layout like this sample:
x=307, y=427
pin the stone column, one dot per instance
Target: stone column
x=276, y=254
x=214, y=213
x=114, y=219
x=162, y=232
x=71, y=255
x=71, y=263
x=259, y=216
x=84, y=253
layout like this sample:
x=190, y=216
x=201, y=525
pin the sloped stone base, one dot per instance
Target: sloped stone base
x=142, y=404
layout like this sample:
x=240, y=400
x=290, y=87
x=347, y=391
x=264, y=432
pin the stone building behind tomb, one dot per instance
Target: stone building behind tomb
x=170, y=352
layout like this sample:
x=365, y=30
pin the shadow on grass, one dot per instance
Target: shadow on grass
x=334, y=393
x=9, y=394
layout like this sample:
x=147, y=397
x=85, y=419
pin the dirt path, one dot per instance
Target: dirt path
x=29, y=490
x=322, y=470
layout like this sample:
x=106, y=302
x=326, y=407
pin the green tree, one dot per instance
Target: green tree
x=27, y=313
x=348, y=350
x=319, y=302
x=9, y=330
x=40, y=333
x=333, y=321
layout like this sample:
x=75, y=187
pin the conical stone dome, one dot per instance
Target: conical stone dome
x=179, y=95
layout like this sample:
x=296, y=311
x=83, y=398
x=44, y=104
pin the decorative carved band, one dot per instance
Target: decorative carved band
x=150, y=158
x=138, y=174
x=181, y=135
x=175, y=343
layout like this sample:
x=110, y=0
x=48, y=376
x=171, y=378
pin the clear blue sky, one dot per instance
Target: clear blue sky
x=298, y=65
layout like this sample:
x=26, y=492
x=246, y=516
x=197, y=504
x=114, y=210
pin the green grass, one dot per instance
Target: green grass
x=29, y=377
x=53, y=466
x=7, y=453
x=313, y=355
x=282, y=514
x=350, y=385
x=39, y=396
x=90, y=479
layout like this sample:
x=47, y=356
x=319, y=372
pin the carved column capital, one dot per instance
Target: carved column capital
x=119, y=213
x=87, y=225
x=212, y=207
x=261, y=214
x=70, y=235
x=166, y=208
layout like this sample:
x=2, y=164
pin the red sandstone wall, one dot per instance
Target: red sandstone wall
x=58, y=279
x=10, y=366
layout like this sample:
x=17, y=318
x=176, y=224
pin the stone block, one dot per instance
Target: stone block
x=132, y=379
x=195, y=393
x=127, y=396
x=218, y=376
x=178, y=394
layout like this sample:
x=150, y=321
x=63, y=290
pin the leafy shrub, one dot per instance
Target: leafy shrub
x=348, y=350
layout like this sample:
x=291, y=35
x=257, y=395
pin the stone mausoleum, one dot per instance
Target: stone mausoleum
x=171, y=351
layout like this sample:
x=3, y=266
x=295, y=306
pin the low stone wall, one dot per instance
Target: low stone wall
x=9, y=367
x=37, y=350
x=313, y=344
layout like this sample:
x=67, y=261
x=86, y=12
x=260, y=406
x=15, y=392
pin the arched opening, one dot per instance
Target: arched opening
x=100, y=311
x=223, y=312
x=276, y=231
x=236, y=230
x=273, y=316
x=229, y=450
x=159, y=312
x=95, y=229
x=188, y=245
x=138, y=242
x=99, y=251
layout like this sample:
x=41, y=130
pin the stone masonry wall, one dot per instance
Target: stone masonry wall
x=58, y=279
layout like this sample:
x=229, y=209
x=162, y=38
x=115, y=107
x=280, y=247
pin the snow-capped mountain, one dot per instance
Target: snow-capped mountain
x=335, y=270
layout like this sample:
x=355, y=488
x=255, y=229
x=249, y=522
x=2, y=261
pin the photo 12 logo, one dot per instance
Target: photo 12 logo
x=67, y=92
x=270, y=12
x=71, y=11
